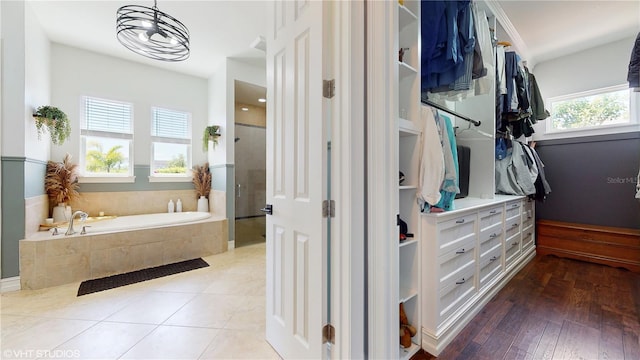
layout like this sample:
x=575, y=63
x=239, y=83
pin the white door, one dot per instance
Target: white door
x=296, y=179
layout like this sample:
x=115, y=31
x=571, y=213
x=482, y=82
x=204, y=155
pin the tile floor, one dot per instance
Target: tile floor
x=215, y=312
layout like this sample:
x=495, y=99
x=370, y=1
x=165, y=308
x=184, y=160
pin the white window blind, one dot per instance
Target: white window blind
x=170, y=124
x=107, y=116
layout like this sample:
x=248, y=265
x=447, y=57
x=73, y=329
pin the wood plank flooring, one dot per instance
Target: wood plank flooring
x=556, y=309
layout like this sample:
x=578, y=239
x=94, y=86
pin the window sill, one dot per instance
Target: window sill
x=594, y=131
x=106, y=179
x=166, y=179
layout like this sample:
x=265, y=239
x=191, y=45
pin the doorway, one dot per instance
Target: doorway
x=250, y=163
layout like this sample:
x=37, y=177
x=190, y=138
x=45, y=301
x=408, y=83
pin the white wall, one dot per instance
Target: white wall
x=76, y=73
x=13, y=74
x=222, y=104
x=37, y=86
x=595, y=68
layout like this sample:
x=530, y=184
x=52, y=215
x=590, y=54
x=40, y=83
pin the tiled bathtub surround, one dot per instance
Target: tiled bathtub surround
x=64, y=259
x=133, y=202
x=36, y=209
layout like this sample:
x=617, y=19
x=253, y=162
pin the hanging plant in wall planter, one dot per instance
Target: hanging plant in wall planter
x=55, y=121
x=211, y=133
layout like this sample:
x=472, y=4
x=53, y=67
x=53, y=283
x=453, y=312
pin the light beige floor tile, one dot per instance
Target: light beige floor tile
x=249, y=316
x=106, y=340
x=172, y=342
x=231, y=283
x=12, y=324
x=239, y=344
x=44, y=336
x=207, y=310
x=152, y=307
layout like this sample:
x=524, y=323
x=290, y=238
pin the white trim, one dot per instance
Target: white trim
x=347, y=148
x=170, y=178
x=382, y=176
x=106, y=179
x=10, y=284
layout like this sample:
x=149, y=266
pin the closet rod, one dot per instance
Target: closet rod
x=440, y=107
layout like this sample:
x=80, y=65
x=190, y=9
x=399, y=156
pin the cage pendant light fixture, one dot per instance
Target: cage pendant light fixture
x=152, y=33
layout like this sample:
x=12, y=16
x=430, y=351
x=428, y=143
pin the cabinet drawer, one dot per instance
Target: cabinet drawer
x=511, y=229
x=527, y=238
x=454, y=263
x=491, y=266
x=490, y=237
x=489, y=246
x=513, y=209
x=454, y=295
x=511, y=250
x=452, y=233
x=490, y=217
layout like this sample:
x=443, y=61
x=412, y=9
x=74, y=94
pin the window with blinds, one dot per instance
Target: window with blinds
x=106, y=138
x=170, y=142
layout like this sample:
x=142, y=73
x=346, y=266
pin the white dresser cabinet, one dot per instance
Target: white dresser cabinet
x=467, y=256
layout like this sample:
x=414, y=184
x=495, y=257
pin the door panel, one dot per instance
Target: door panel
x=296, y=180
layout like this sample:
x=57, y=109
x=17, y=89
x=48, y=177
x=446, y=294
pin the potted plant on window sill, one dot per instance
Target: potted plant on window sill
x=211, y=133
x=55, y=121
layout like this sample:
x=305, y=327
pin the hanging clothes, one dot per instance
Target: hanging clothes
x=513, y=176
x=633, y=76
x=538, y=112
x=432, y=171
x=483, y=39
x=450, y=187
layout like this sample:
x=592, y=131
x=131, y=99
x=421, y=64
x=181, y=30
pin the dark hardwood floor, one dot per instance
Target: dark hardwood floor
x=556, y=308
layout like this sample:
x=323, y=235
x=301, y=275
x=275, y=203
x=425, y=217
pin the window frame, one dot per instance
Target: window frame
x=129, y=136
x=597, y=129
x=153, y=139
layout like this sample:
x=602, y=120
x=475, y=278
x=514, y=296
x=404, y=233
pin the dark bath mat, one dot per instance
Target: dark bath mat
x=114, y=281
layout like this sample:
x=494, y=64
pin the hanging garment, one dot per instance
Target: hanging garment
x=512, y=173
x=538, y=112
x=542, y=186
x=483, y=39
x=633, y=76
x=431, y=161
x=450, y=186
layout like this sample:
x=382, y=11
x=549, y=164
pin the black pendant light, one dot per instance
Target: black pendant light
x=152, y=33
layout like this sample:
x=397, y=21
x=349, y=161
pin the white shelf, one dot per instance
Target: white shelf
x=406, y=70
x=407, y=187
x=407, y=128
x=406, y=16
x=408, y=353
x=408, y=242
x=407, y=294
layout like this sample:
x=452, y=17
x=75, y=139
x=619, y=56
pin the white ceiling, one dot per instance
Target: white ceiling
x=223, y=28
x=218, y=29
x=550, y=29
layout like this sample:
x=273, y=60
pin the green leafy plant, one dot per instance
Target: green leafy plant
x=100, y=161
x=55, y=121
x=212, y=133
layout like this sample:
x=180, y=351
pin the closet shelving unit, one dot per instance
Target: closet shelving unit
x=409, y=138
x=468, y=254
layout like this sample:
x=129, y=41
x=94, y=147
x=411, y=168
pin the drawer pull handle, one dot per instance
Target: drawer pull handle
x=460, y=282
x=460, y=221
x=514, y=205
x=493, y=259
x=529, y=234
x=493, y=211
x=494, y=235
x=514, y=244
x=515, y=225
x=461, y=251
x=528, y=217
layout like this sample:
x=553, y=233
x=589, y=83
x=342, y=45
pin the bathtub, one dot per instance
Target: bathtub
x=144, y=221
x=118, y=245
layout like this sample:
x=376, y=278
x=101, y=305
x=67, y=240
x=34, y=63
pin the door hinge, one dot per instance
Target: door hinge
x=328, y=208
x=328, y=88
x=328, y=334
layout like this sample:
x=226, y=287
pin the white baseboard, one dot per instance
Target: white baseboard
x=231, y=244
x=10, y=284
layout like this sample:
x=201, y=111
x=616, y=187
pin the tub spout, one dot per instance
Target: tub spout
x=83, y=217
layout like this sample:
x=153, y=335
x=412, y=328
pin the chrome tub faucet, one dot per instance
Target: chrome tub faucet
x=83, y=217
